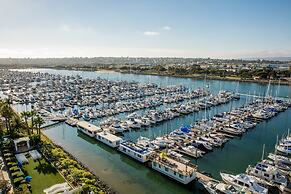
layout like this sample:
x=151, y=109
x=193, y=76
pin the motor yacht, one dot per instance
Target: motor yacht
x=245, y=182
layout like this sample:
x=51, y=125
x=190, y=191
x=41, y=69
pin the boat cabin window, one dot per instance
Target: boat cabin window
x=181, y=176
x=266, y=175
x=166, y=169
x=240, y=183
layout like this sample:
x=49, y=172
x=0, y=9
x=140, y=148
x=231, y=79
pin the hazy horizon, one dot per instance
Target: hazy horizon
x=226, y=29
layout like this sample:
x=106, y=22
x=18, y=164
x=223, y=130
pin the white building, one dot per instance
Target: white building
x=88, y=128
x=109, y=139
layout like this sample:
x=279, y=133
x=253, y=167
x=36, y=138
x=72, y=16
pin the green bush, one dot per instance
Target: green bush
x=10, y=159
x=34, y=139
x=17, y=174
x=14, y=168
x=87, y=188
x=18, y=181
x=11, y=164
x=6, y=155
x=23, y=187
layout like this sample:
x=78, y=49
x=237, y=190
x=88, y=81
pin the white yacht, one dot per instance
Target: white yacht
x=267, y=174
x=115, y=126
x=133, y=124
x=282, y=159
x=244, y=182
x=284, y=146
x=217, y=187
x=261, y=114
x=192, y=151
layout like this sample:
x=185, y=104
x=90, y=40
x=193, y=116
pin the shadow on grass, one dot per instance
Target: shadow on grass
x=45, y=168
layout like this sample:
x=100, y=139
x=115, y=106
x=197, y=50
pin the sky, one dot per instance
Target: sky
x=145, y=28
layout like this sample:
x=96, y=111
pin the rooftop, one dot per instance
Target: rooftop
x=88, y=126
x=175, y=165
x=109, y=136
x=135, y=147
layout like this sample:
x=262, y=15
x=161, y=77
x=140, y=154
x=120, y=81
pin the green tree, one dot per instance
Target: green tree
x=32, y=114
x=38, y=122
x=25, y=115
x=7, y=112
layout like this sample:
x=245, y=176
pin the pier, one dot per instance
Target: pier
x=203, y=177
x=263, y=97
x=200, y=133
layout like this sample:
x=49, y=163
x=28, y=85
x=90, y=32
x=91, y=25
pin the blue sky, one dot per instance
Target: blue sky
x=178, y=28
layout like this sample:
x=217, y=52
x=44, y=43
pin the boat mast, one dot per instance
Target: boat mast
x=205, y=109
x=263, y=152
x=237, y=85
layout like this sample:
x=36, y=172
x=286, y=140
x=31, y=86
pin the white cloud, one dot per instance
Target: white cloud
x=151, y=33
x=166, y=28
x=65, y=28
x=76, y=28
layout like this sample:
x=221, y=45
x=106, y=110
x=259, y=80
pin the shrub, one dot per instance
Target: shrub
x=10, y=159
x=6, y=155
x=11, y=164
x=18, y=181
x=87, y=188
x=34, y=139
x=17, y=174
x=13, y=169
x=23, y=187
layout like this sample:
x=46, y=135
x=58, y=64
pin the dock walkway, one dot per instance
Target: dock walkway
x=203, y=177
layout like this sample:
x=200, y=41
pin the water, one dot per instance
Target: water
x=128, y=176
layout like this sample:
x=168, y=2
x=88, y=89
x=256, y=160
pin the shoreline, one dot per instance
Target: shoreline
x=201, y=77
x=193, y=76
x=103, y=186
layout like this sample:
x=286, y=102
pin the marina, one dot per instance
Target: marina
x=215, y=120
x=145, y=97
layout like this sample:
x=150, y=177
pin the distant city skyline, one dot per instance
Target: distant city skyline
x=151, y=28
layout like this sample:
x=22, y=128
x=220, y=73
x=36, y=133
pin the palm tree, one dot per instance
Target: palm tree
x=38, y=122
x=7, y=112
x=17, y=123
x=32, y=115
x=25, y=115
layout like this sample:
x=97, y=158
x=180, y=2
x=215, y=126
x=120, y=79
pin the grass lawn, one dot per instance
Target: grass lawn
x=43, y=175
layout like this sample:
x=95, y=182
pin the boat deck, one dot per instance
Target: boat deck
x=176, y=165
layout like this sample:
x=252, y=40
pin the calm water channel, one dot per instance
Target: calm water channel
x=128, y=176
